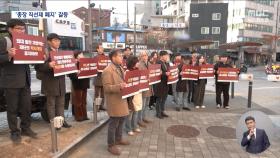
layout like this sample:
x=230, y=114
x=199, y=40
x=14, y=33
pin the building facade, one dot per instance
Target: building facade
x=209, y=21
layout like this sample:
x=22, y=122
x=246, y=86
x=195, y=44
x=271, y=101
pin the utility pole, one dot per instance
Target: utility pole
x=134, y=33
x=90, y=28
x=127, y=16
x=276, y=33
x=45, y=24
x=99, y=22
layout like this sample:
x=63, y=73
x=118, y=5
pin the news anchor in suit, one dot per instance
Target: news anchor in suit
x=255, y=140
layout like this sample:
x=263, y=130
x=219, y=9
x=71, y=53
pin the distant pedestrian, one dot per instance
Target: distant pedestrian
x=117, y=108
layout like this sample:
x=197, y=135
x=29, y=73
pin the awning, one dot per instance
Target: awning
x=235, y=45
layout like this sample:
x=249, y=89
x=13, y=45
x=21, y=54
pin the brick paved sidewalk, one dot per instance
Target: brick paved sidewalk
x=155, y=142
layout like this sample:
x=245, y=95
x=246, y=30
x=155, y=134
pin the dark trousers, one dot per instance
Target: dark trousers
x=222, y=88
x=191, y=91
x=79, y=102
x=160, y=105
x=55, y=106
x=199, y=93
x=18, y=104
x=115, y=130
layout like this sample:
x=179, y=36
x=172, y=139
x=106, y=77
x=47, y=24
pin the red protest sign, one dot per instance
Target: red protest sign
x=132, y=79
x=206, y=71
x=65, y=63
x=173, y=77
x=154, y=73
x=102, y=62
x=87, y=68
x=29, y=49
x=228, y=75
x=190, y=72
x=144, y=80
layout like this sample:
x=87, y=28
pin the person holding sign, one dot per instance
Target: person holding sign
x=52, y=87
x=79, y=93
x=134, y=102
x=16, y=82
x=162, y=88
x=117, y=108
x=182, y=86
x=143, y=65
x=222, y=87
x=98, y=86
x=199, y=90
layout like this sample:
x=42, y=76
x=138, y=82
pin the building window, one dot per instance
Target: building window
x=215, y=45
x=258, y=27
x=15, y=1
x=31, y=30
x=195, y=15
x=204, y=30
x=215, y=30
x=73, y=26
x=216, y=16
x=11, y=8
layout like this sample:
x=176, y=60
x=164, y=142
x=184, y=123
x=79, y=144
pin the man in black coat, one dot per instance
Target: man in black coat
x=161, y=89
x=15, y=80
x=222, y=87
x=255, y=140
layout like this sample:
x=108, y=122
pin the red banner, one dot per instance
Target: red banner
x=206, y=71
x=132, y=79
x=173, y=77
x=65, y=63
x=102, y=62
x=87, y=68
x=154, y=73
x=29, y=49
x=190, y=72
x=144, y=80
x=228, y=75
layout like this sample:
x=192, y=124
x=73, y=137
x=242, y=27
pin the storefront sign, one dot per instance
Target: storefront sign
x=29, y=49
x=65, y=63
x=173, y=25
x=87, y=68
x=273, y=77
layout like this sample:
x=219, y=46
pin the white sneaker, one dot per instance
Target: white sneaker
x=130, y=133
x=197, y=107
x=227, y=107
x=138, y=130
x=203, y=107
x=218, y=106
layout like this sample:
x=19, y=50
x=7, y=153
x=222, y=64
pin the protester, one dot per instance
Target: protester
x=97, y=82
x=176, y=62
x=182, y=86
x=161, y=89
x=79, y=93
x=117, y=108
x=16, y=82
x=153, y=60
x=222, y=87
x=199, y=90
x=142, y=116
x=52, y=87
x=191, y=82
x=126, y=53
x=134, y=102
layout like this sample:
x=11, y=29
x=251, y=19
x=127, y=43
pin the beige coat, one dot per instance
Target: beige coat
x=137, y=102
x=111, y=79
x=143, y=66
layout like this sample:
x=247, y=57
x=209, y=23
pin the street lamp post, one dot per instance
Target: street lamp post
x=90, y=5
x=134, y=32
